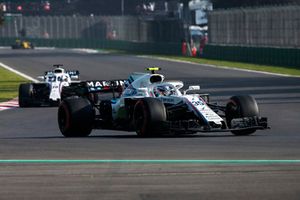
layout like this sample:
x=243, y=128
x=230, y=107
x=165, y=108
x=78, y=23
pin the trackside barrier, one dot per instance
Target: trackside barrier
x=256, y=55
x=135, y=47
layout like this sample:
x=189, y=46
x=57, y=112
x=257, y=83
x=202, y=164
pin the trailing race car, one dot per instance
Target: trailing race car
x=48, y=92
x=22, y=44
x=147, y=104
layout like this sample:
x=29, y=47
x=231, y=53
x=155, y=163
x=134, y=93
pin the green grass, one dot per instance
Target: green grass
x=9, y=84
x=287, y=70
x=265, y=68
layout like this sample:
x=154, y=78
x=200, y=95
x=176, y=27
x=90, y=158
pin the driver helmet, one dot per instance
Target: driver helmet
x=163, y=90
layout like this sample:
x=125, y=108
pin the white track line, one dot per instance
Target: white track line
x=14, y=102
x=18, y=72
x=90, y=51
x=219, y=66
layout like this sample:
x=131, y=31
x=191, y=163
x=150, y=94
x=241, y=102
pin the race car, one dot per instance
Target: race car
x=149, y=105
x=47, y=92
x=22, y=44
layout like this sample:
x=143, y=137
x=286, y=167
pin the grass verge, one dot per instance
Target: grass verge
x=9, y=84
x=284, y=70
x=264, y=68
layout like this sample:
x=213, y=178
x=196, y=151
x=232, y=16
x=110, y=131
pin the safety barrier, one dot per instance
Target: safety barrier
x=257, y=55
x=129, y=46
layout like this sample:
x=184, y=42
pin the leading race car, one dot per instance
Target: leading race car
x=151, y=106
x=22, y=44
x=47, y=92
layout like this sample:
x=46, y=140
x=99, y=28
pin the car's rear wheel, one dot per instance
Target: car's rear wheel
x=149, y=116
x=106, y=113
x=75, y=117
x=54, y=103
x=239, y=107
x=25, y=95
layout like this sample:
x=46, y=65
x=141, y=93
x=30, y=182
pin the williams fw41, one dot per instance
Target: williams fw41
x=150, y=106
x=48, y=91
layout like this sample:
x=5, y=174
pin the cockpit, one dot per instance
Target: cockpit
x=164, y=90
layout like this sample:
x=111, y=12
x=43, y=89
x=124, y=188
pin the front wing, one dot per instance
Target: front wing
x=238, y=124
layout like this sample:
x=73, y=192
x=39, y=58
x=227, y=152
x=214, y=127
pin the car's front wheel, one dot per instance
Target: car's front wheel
x=75, y=117
x=149, y=116
x=239, y=107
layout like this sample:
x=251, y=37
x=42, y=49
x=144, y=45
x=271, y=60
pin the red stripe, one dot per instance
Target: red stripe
x=9, y=104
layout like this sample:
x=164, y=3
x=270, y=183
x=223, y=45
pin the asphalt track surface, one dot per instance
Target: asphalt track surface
x=32, y=133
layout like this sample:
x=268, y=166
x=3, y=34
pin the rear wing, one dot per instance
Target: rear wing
x=104, y=85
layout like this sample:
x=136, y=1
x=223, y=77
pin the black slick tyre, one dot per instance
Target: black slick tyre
x=149, y=116
x=75, y=117
x=25, y=94
x=239, y=107
x=54, y=103
x=106, y=113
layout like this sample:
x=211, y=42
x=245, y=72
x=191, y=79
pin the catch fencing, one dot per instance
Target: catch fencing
x=124, y=28
x=110, y=32
x=262, y=35
x=277, y=26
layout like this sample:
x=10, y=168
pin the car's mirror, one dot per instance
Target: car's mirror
x=192, y=87
x=41, y=78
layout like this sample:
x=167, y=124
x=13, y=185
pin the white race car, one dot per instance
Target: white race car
x=47, y=92
x=151, y=106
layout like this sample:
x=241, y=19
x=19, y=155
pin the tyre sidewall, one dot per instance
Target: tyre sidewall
x=154, y=115
x=239, y=107
x=25, y=95
x=79, y=116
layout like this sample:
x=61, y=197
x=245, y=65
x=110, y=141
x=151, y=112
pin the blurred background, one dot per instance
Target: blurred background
x=256, y=31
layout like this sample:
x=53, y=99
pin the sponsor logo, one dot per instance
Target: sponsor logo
x=197, y=102
x=168, y=100
x=105, y=83
x=72, y=72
